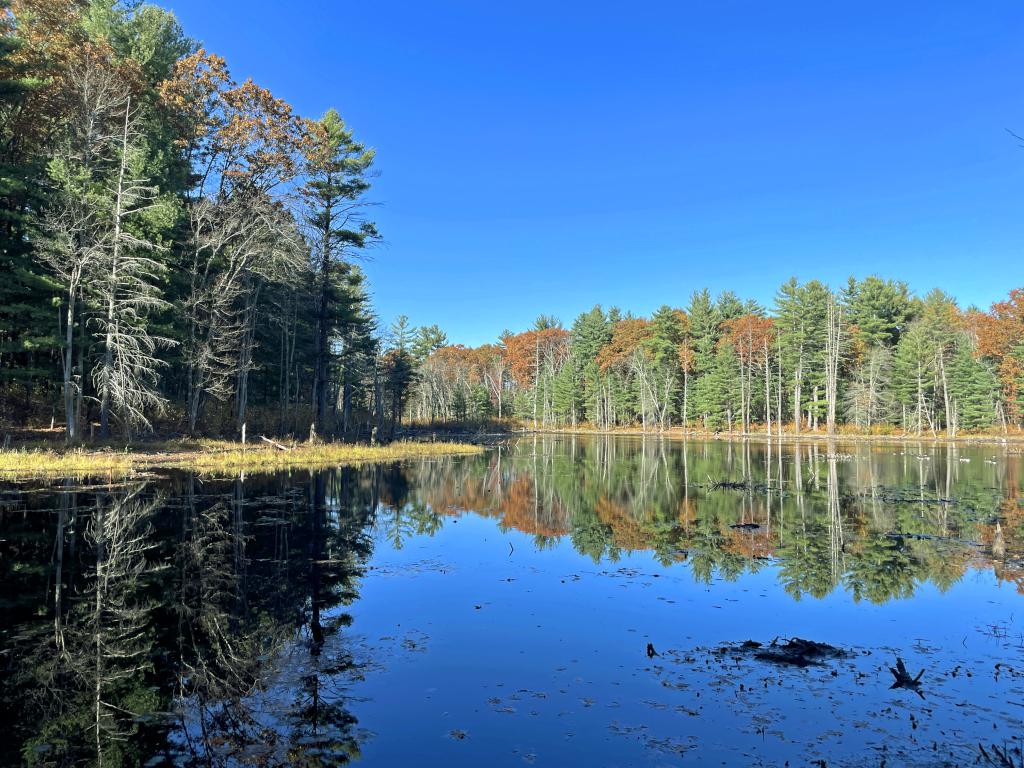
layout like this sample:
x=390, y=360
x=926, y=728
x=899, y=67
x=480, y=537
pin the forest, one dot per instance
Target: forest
x=870, y=358
x=181, y=252
x=178, y=248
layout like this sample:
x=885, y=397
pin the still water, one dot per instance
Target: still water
x=555, y=601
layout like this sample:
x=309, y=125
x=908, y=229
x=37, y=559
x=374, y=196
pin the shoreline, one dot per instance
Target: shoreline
x=213, y=456
x=675, y=433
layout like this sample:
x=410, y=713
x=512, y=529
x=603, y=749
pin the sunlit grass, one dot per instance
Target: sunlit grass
x=213, y=456
x=79, y=463
x=218, y=456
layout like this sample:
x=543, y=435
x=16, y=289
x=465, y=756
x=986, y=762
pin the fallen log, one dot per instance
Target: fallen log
x=274, y=443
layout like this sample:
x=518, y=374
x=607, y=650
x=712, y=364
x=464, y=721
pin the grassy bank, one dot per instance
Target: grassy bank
x=212, y=456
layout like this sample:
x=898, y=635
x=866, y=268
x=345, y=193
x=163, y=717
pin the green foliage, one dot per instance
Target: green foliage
x=973, y=387
x=880, y=309
x=704, y=329
x=716, y=395
x=428, y=339
x=913, y=380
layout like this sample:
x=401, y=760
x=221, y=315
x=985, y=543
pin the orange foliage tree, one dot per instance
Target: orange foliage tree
x=627, y=337
x=752, y=337
x=1000, y=337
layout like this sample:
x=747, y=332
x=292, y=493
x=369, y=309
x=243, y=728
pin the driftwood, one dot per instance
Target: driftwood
x=903, y=678
x=274, y=443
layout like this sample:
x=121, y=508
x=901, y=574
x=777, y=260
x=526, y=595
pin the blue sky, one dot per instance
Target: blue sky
x=543, y=157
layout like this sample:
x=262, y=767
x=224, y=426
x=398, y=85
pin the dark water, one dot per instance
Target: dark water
x=496, y=610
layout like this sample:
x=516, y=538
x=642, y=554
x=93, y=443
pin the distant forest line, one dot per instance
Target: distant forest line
x=179, y=252
x=870, y=357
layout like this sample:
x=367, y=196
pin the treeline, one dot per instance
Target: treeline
x=175, y=246
x=870, y=357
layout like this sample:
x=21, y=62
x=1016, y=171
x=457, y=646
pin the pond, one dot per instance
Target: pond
x=554, y=601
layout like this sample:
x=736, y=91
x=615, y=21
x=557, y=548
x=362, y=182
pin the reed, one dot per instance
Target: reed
x=213, y=456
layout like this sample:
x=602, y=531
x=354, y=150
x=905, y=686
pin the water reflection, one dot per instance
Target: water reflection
x=147, y=622
x=876, y=520
x=203, y=622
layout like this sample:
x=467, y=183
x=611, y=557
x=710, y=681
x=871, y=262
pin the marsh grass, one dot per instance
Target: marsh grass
x=212, y=456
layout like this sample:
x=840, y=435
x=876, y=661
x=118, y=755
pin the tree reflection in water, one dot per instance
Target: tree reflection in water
x=167, y=613
x=203, y=622
x=876, y=521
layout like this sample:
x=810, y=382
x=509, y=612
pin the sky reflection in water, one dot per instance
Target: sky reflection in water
x=497, y=609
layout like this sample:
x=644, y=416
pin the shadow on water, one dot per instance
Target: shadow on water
x=196, y=621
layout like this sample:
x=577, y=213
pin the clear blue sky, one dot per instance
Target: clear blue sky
x=545, y=156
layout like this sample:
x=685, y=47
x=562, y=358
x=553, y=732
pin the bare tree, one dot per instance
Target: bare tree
x=495, y=374
x=869, y=399
x=73, y=223
x=125, y=282
x=833, y=353
x=238, y=242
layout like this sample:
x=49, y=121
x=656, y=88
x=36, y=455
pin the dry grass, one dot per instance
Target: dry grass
x=78, y=463
x=213, y=456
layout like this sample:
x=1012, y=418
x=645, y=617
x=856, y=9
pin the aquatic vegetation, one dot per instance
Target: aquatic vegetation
x=214, y=456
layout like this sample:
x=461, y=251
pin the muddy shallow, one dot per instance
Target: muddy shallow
x=498, y=610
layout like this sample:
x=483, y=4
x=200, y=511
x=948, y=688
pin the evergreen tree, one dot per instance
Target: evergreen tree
x=27, y=293
x=704, y=324
x=913, y=380
x=880, y=309
x=590, y=332
x=428, y=338
x=716, y=395
x=973, y=387
x=334, y=195
x=567, y=392
x=402, y=334
x=728, y=306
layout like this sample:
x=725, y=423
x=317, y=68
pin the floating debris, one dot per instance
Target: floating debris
x=903, y=678
x=795, y=652
x=738, y=485
x=746, y=526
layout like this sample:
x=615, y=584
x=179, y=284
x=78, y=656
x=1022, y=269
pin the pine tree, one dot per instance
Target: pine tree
x=913, y=379
x=973, y=387
x=334, y=196
x=716, y=395
x=27, y=294
x=704, y=324
x=880, y=309
x=567, y=392
x=590, y=332
x=428, y=339
x=402, y=334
